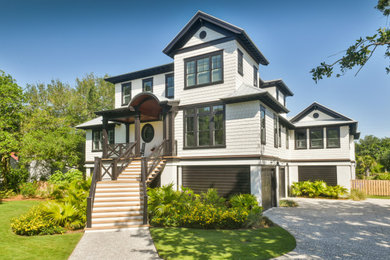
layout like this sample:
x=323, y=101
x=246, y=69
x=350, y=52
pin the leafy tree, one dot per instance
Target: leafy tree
x=359, y=53
x=385, y=160
x=364, y=164
x=11, y=113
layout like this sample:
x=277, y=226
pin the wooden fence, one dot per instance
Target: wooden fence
x=372, y=187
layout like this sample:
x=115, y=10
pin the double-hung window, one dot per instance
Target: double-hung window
x=279, y=133
x=316, y=138
x=126, y=93
x=276, y=135
x=254, y=76
x=97, y=138
x=300, y=139
x=287, y=138
x=204, y=126
x=333, y=137
x=147, y=85
x=169, y=86
x=262, y=125
x=204, y=70
x=240, y=62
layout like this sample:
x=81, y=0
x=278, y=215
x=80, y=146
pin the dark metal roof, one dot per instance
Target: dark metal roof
x=141, y=73
x=317, y=106
x=279, y=84
x=201, y=18
x=286, y=122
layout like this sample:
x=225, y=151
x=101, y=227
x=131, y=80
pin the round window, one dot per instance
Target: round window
x=202, y=34
x=147, y=133
x=315, y=115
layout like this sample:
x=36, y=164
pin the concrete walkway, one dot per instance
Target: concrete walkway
x=124, y=244
x=337, y=229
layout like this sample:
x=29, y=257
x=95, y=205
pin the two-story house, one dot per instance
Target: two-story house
x=214, y=123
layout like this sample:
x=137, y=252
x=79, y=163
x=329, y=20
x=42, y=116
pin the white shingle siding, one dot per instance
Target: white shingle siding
x=210, y=36
x=136, y=87
x=248, y=64
x=89, y=155
x=207, y=93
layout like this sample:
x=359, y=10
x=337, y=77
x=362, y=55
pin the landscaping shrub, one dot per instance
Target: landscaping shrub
x=288, y=203
x=170, y=208
x=357, y=195
x=14, y=178
x=317, y=189
x=28, y=189
x=34, y=223
x=382, y=176
x=63, y=178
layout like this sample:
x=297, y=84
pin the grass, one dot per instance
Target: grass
x=186, y=243
x=288, y=203
x=378, y=197
x=35, y=247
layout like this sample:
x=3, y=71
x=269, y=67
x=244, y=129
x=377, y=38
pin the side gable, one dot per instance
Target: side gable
x=211, y=35
x=229, y=31
x=323, y=112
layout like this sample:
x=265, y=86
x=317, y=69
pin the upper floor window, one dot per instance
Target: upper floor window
x=276, y=135
x=277, y=94
x=126, y=93
x=147, y=85
x=240, y=62
x=316, y=138
x=333, y=137
x=97, y=138
x=204, y=70
x=300, y=139
x=280, y=134
x=254, y=76
x=204, y=126
x=169, y=86
x=287, y=138
x=262, y=125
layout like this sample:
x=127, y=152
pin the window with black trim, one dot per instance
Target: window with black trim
x=204, y=70
x=97, y=138
x=147, y=133
x=254, y=76
x=126, y=93
x=316, y=138
x=333, y=137
x=169, y=86
x=240, y=62
x=147, y=85
x=263, y=132
x=277, y=94
x=204, y=126
x=279, y=133
x=300, y=139
x=276, y=135
x=287, y=138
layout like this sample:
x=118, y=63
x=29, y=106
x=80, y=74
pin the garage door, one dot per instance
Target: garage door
x=323, y=173
x=282, y=183
x=268, y=188
x=227, y=180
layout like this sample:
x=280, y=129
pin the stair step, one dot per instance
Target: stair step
x=120, y=195
x=111, y=210
x=117, y=186
x=111, y=190
x=114, y=199
x=118, y=216
x=119, y=207
x=118, y=222
x=117, y=181
x=116, y=227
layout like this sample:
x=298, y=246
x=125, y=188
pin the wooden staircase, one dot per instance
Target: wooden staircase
x=118, y=204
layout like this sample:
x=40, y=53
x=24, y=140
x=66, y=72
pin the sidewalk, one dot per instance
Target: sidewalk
x=125, y=244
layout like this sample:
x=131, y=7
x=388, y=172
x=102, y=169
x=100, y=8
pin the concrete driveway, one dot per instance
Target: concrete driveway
x=337, y=229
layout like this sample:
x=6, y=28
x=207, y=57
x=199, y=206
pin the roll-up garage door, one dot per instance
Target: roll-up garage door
x=314, y=173
x=227, y=180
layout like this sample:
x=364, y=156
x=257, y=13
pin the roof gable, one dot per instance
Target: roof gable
x=324, y=113
x=202, y=19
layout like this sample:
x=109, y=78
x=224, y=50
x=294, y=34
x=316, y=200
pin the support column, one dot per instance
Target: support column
x=137, y=130
x=105, y=137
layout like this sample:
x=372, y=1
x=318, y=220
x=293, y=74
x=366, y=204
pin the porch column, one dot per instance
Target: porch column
x=127, y=133
x=105, y=137
x=137, y=130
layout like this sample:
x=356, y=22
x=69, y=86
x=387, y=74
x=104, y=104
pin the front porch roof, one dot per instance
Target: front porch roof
x=94, y=123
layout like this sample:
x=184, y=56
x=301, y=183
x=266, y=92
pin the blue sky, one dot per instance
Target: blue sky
x=42, y=40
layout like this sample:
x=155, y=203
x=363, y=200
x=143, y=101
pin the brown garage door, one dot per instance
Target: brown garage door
x=268, y=187
x=323, y=173
x=227, y=180
x=282, y=183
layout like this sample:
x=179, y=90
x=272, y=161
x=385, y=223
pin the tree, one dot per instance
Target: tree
x=359, y=53
x=385, y=160
x=11, y=113
x=364, y=164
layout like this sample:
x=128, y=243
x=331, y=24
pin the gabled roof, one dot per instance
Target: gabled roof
x=324, y=109
x=201, y=18
x=277, y=83
x=248, y=93
x=141, y=73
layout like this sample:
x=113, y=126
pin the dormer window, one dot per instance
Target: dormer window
x=254, y=76
x=147, y=85
x=204, y=70
x=126, y=93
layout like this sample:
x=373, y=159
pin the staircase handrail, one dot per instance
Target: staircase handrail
x=96, y=176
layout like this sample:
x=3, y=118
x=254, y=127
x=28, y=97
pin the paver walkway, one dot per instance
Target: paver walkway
x=337, y=229
x=124, y=244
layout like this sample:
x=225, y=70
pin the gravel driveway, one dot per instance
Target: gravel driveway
x=335, y=229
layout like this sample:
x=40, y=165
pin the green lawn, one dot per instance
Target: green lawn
x=186, y=243
x=36, y=247
x=378, y=197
